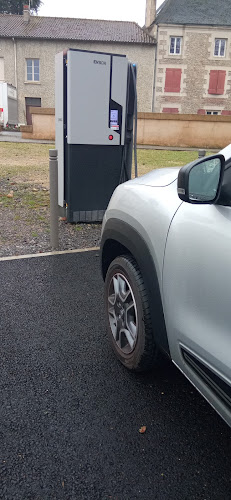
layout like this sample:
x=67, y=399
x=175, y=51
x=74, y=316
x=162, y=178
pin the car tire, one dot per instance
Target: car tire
x=128, y=315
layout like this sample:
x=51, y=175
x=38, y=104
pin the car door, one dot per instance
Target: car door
x=197, y=299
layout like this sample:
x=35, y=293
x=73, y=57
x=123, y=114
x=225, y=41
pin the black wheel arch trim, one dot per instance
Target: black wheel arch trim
x=119, y=237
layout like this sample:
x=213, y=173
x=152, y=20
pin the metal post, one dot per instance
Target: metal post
x=201, y=153
x=54, y=227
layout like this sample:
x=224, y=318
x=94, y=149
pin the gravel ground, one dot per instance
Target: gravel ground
x=18, y=237
x=25, y=222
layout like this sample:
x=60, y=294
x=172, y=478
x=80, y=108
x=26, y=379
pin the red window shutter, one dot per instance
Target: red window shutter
x=213, y=81
x=172, y=80
x=170, y=110
x=226, y=113
x=201, y=112
x=217, y=82
x=221, y=82
x=168, y=80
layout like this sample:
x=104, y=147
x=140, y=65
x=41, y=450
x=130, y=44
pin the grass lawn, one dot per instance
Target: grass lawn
x=26, y=163
x=148, y=159
x=24, y=168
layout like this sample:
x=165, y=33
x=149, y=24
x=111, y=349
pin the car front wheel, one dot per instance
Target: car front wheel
x=128, y=315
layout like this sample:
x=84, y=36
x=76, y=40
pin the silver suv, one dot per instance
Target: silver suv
x=166, y=262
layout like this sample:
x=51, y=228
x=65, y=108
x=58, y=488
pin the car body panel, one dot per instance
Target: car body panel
x=197, y=291
x=157, y=178
x=154, y=218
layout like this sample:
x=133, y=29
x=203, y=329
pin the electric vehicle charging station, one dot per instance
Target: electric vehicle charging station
x=95, y=102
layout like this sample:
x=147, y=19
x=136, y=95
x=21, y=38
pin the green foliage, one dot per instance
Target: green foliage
x=16, y=6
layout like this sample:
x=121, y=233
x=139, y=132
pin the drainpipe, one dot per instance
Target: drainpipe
x=15, y=64
x=155, y=71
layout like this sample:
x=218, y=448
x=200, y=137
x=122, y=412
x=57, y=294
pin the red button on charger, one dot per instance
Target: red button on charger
x=110, y=137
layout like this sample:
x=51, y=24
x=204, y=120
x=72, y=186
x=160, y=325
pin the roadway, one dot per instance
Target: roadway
x=71, y=414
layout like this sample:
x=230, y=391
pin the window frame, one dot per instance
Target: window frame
x=175, y=42
x=209, y=112
x=219, y=48
x=33, y=70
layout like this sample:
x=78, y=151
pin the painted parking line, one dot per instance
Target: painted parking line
x=47, y=254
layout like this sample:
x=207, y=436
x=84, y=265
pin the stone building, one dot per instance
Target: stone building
x=183, y=55
x=28, y=45
x=193, y=57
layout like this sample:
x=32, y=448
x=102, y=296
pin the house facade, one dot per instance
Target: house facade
x=28, y=45
x=193, y=57
x=183, y=55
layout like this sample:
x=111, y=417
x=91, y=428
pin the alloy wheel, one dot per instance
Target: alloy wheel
x=122, y=313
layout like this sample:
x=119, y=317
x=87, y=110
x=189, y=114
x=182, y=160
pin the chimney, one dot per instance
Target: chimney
x=26, y=14
x=150, y=14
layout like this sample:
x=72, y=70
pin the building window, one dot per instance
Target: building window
x=219, y=48
x=217, y=82
x=212, y=112
x=172, y=80
x=175, y=45
x=32, y=70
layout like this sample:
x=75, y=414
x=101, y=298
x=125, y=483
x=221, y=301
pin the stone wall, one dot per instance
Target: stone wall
x=184, y=131
x=43, y=125
x=157, y=129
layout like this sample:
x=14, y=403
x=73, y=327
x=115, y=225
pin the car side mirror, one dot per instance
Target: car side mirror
x=200, y=181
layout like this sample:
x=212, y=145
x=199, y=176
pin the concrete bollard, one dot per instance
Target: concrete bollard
x=54, y=225
x=201, y=153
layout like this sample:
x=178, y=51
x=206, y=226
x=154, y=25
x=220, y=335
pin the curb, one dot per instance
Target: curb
x=48, y=254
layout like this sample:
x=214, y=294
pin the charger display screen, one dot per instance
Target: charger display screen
x=114, y=118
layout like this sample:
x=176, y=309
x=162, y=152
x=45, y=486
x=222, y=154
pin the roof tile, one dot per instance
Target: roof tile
x=198, y=12
x=72, y=29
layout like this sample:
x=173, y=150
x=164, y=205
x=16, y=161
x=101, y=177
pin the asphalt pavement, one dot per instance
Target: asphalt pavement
x=70, y=414
x=8, y=136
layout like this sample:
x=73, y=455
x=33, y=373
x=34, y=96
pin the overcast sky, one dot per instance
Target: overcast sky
x=121, y=10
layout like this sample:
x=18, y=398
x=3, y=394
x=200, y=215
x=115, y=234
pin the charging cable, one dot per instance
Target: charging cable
x=135, y=124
